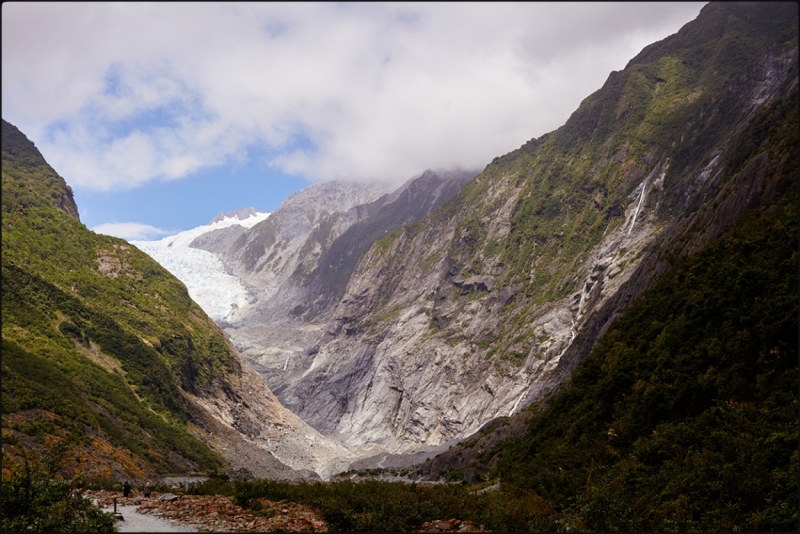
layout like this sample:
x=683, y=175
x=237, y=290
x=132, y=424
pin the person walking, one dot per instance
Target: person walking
x=126, y=489
x=147, y=489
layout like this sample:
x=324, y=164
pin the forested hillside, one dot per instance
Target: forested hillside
x=685, y=416
x=99, y=341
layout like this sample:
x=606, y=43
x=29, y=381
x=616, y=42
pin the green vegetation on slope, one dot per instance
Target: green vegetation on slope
x=674, y=103
x=374, y=506
x=99, y=340
x=685, y=417
x=35, y=499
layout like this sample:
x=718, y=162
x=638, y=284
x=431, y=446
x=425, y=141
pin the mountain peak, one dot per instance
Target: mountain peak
x=27, y=177
x=240, y=214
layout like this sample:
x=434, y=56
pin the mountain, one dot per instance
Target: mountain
x=654, y=228
x=295, y=264
x=104, y=348
x=240, y=214
x=490, y=302
x=292, y=267
x=413, y=201
x=305, y=223
x=281, y=330
x=685, y=415
x=411, y=320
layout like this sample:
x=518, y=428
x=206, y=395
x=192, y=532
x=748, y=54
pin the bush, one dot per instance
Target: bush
x=33, y=500
x=376, y=506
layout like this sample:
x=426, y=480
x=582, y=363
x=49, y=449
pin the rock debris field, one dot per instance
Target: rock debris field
x=216, y=513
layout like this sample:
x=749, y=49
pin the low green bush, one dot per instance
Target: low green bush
x=34, y=499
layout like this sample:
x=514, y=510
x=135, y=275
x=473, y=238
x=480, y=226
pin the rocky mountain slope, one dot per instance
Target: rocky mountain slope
x=491, y=301
x=304, y=224
x=296, y=264
x=684, y=416
x=103, y=348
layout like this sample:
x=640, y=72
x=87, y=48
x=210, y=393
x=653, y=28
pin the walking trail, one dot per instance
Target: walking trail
x=138, y=522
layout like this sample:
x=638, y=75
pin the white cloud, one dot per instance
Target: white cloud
x=130, y=231
x=120, y=94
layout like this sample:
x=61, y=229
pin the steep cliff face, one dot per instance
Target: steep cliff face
x=306, y=265
x=414, y=200
x=294, y=236
x=487, y=304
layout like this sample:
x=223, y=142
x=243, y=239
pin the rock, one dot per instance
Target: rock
x=452, y=525
x=469, y=476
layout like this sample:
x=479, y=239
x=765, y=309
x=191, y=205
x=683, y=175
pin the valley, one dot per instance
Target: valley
x=475, y=310
x=596, y=332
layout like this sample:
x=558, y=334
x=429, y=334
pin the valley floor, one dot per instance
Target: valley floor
x=135, y=521
x=207, y=513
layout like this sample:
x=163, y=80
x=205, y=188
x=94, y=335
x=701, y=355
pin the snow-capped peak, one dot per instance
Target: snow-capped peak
x=183, y=239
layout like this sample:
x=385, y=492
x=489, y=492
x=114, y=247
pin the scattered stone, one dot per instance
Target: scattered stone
x=452, y=525
x=218, y=513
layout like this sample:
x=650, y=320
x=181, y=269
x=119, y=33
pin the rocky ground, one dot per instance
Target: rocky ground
x=452, y=525
x=218, y=513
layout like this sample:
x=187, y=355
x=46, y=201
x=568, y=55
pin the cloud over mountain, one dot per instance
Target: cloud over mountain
x=120, y=94
x=129, y=230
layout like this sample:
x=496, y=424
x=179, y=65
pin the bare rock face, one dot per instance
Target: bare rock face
x=290, y=317
x=417, y=374
x=218, y=241
x=243, y=421
x=240, y=214
x=294, y=236
x=490, y=302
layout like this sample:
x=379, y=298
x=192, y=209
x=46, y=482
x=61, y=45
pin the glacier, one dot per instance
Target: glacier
x=205, y=275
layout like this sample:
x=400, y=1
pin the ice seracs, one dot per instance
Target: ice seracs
x=205, y=275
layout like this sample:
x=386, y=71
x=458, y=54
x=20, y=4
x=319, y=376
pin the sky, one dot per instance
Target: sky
x=162, y=115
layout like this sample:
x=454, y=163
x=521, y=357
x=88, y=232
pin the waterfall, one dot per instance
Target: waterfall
x=516, y=404
x=639, y=205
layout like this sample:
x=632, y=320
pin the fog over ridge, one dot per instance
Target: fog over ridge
x=121, y=94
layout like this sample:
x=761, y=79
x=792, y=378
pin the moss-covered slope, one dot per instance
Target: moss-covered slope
x=99, y=341
x=685, y=417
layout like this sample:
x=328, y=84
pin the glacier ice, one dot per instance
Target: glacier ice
x=204, y=274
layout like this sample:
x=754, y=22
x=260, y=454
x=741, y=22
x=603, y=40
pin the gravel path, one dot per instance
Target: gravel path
x=136, y=522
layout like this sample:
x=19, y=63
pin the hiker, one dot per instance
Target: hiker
x=147, y=489
x=126, y=489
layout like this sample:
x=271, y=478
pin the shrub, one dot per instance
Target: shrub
x=34, y=500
